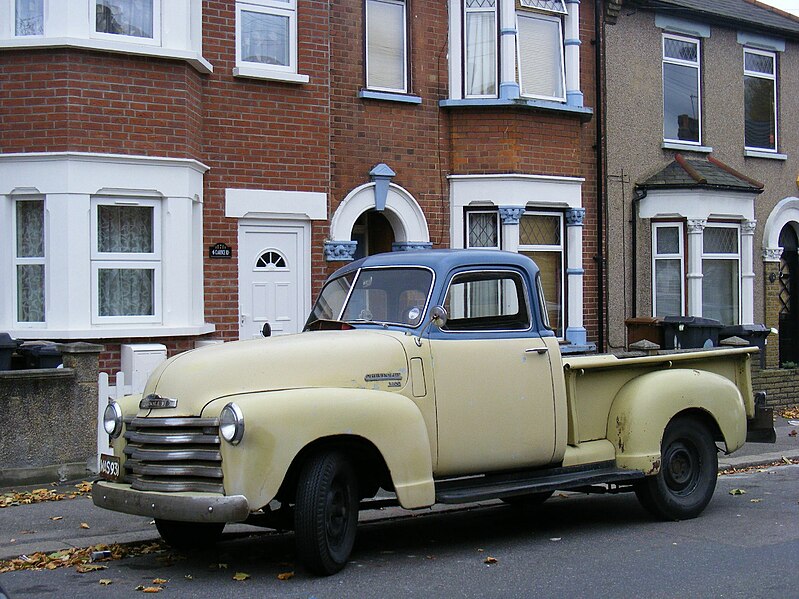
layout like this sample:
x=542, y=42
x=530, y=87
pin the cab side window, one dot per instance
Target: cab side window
x=487, y=301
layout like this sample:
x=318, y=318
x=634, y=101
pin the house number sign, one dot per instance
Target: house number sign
x=220, y=250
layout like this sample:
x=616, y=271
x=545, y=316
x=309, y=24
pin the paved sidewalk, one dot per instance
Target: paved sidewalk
x=32, y=528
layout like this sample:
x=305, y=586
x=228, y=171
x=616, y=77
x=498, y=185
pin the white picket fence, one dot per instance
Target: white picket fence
x=106, y=393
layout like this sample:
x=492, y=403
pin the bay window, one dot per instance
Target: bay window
x=480, y=48
x=760, y=100
x=132, y=18
x=667, y=273
x=682, y=100
x=541, y=238
x=386, y=45
x=30, y=260
x=540, y=49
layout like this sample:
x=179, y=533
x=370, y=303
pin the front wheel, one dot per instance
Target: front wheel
x=326, y=513
x=688, y=472
x=186, y=536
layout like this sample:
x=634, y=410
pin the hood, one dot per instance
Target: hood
x=342, y=359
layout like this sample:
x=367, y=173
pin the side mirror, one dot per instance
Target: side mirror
x=438, y=316
x=267, y=330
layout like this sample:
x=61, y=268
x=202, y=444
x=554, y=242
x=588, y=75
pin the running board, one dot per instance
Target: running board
x=493, y=486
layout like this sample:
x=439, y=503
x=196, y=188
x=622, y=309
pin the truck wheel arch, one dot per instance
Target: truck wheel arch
x=644, y=406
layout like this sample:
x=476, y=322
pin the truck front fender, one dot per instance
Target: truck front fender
x=645, y=405
x=279, y=424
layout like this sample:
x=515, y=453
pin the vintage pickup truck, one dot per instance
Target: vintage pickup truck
x=420, y=377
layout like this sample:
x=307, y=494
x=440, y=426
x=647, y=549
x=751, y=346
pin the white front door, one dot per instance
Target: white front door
x=273, y=279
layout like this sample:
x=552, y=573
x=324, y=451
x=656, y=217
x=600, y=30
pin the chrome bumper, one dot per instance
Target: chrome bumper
x=185, y=507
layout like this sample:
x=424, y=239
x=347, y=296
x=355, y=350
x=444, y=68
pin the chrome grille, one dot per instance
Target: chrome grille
x=173, y=454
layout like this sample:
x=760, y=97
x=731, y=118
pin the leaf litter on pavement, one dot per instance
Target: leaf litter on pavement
x=16, y=498
x=80, y=558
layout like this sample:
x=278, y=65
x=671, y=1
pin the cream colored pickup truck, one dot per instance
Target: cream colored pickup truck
x=435, y=377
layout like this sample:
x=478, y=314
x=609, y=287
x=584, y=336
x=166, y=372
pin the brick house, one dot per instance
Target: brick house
x=702, y=165
x=177, y=171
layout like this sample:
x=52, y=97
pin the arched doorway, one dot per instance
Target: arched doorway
x=374, y=234
x=789, y=295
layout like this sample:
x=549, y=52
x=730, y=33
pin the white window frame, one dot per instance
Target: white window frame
x=495, y=11
x=119, y=260
x=773, y=79
x=12, y=9
x=468, y=222
x=561, y=249
x=133, y=39
x=732, y=257
x=530, y=14
x=680, y=255
x=285, y=8
x=404, y=88
x=18, y=261
x=695, y=65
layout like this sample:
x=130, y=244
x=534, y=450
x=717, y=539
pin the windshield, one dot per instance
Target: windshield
x=380, y=295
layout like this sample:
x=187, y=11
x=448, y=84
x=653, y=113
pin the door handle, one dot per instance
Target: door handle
x=537, y=350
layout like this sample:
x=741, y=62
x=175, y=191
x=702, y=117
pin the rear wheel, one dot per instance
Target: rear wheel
x=326, y=513
x=187, y=536
x=688, y=472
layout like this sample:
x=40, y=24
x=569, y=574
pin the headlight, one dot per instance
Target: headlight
x=231, y=424
x=112, y=419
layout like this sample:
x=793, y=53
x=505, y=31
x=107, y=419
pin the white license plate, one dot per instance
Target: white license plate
x=109, y=467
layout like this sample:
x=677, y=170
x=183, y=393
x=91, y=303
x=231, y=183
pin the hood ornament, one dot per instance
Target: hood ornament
x=156, y=402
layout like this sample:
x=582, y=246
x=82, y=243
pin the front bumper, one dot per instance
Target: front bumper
x=184, y=507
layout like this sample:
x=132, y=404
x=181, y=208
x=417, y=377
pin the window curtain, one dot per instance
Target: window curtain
x=29, y=18
x=481, y=50
x=540, y=57
x=720, y=290
x=551, y=268
x=265, y=38
x=30, y=245
x=125, y=291
x=125, y=17
x=125, y=229
x=668, y=287
x=385, y=45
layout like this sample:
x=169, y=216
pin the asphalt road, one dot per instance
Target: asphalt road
x=743, y=545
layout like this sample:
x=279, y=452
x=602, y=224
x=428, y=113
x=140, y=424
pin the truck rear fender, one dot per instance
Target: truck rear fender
x=645, y=405
x=281, y=427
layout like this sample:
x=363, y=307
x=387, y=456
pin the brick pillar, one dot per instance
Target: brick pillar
x=771, y=279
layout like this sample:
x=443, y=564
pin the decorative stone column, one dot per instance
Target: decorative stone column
x=571, y=41
x=696, y=231
x=508, y=87
x=773, y=306
x=510, y=215
x=747, y=271
x=575, y=333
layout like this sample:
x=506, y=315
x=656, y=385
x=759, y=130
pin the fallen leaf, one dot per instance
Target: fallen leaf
x=84, y=525
x=786, y=460
x=56, y=518
x=105, y=581
x=189, y=577
x=755, y=500
x=160, y=581
x=285, y=575
x=556, y=539
x=490, y=560
x=737, y=492
x=152, y=590
x=240, y=576
x=83, y=568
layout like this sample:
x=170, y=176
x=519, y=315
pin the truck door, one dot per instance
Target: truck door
x=493, y=377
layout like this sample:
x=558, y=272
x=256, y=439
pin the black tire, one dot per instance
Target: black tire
x=326, y=513
x=190, y=536
x=688, y=472
x=529, y=500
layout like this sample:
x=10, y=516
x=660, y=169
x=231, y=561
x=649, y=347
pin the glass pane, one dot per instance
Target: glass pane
x=680, y=102
x=483, y=231
x=550, y=5
x=125, y=17
x=385, y=35
x=759, y=63
x=680, y=49
x=539, y=229
x=481, y=48
x=30, y=292
x=480, y=3
x=668, y=288
x=760, y=126
x=486, y=301
x=668, y=240
x=29, y=17
x=331, y=300
x=126, y=292
x=391, y=295
x=551, y=267
x=540, y=57
x=720, y=290
x=30, y=229
x=126, y=229
x=265, y=38
x=720, y=240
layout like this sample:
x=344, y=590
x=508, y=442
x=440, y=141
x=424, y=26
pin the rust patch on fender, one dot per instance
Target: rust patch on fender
x=654, y=469
x=621, y=432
